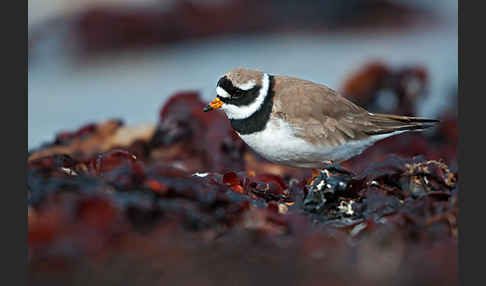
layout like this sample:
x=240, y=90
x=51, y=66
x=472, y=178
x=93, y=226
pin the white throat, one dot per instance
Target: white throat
x=242, y=112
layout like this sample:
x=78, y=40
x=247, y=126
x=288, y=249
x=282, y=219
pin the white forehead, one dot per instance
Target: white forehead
x=221, y=92
x=242, y=112
x=247, y=85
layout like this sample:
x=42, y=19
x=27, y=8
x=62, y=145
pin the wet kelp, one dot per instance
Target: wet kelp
x=185, y=201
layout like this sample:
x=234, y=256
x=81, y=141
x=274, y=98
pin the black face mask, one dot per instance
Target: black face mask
x=258, y=120
x=238, y=96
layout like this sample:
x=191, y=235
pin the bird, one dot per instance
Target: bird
x=300, y=123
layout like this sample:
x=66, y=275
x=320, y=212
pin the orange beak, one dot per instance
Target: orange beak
x=215, y=104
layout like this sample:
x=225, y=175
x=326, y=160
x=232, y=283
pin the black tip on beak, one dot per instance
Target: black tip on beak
x=207, y=108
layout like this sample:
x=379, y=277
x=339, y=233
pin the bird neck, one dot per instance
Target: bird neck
x=258, y=120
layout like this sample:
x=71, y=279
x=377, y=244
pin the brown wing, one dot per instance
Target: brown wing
x=322, y=116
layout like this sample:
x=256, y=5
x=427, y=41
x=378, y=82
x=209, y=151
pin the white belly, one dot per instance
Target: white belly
x=277, y=143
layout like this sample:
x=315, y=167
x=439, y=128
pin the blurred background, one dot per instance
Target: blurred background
x=94, y=60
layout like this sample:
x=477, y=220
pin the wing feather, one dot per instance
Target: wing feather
x=321, y=115
x=318, y=113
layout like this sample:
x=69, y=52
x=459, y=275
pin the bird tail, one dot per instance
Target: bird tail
x=386, y=123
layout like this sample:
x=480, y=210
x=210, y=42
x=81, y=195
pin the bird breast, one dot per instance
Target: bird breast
x=278, y=143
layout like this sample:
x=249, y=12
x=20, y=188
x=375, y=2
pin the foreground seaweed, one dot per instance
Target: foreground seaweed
x=186, y=201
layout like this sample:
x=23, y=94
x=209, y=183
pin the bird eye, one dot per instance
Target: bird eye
x=221, y=81
x=237, y=93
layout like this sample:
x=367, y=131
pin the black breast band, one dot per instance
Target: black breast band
x=258, y=120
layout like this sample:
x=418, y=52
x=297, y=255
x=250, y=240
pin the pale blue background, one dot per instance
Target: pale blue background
x=133, y=86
